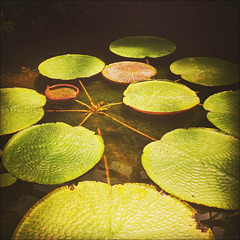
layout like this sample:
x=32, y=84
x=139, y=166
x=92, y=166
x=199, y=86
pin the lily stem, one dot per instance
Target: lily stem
x=85, y=90
x=84, y=104
x=105, y=161
x=68, y=110
x=84, y=120
x=124, y=124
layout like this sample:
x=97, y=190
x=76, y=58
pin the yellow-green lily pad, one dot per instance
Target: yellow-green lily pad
x=160, y=97
x=71, y=66
x=6, y=179
x=52, y=153
x=142, y=46
x=199, y=165
x=206, y=71
x=20, y=108
x=223, y=110
x=95, y=210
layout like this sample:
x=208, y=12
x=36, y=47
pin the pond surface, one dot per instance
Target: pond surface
x=123, y=146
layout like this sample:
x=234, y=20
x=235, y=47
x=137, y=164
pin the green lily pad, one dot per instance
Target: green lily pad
x=198, y=165
x=6, y=179
x=160, y=97
x=206, y=71
x=142, y=46
x=71, y=66
x=52, y=153
x=20, y=108
x=223, y=110
x=95, y=210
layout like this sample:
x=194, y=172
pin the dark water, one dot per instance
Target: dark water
x=208, y=28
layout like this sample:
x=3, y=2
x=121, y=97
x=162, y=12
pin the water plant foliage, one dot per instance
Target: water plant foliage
x=52, y=153
x=206, y=71
x=160, y=97
x=71, y=66
x=95, y=210
x=199, y=165
x=223, y=110
x=20, y=108
x=142, y=46
x=128, y=72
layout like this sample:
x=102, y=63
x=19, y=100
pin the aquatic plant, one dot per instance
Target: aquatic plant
x=54, y=153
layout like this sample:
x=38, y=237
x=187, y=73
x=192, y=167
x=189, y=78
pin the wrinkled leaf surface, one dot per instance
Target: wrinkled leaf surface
x=223, y=110
x=52, y=153
x=95, y=210
x=142, y=46
x=206, y=71
x=160, y=97
x=20, y=108
x=198, y=165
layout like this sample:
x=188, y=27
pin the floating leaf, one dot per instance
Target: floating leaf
x=52, y=153
x=142, y=46
x=6, y=179
x=128, y=72
x=198, y=165
x=71, y=66
x=61, y=92
x=206, y=71
x=95, y=210
x=224, y=111
x=160, y=97
x=20, y=108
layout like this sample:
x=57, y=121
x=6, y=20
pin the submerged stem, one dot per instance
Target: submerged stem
x=124, y=124
x=105, y=161
x=72, y=110
x=84, y=104
x=84, y=120
x=109, y=105
x=85, y=90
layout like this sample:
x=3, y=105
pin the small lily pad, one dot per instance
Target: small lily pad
x=206, y=71
x=71, y=66
x=20, y=108
x=6, y=179
x=223, y=110
x=52, y=153
x=95, y=210
x=61, y=92
x=128, y=72
x=142, y=46
x=160, y=97
x=198, y=165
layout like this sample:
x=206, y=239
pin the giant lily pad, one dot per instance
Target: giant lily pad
x=6, y=179
x=20, y=108
x=128, y=72
x=52, y=153
x=95, y=210
x=224, y=111
x=71, y=66
x=198, y=165
x=206, y=71
x=160, y=97
x=142, y=46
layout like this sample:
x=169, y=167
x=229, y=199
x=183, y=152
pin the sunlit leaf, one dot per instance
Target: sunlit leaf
x=206, y=71
x=71, y=66
x=52, y=153
x=20, y=108
x=95, y=210
x=223, y=110
x=142, y=46
x=198, y=165
x=128, y=72
x=160, y=97
x=6, y=179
